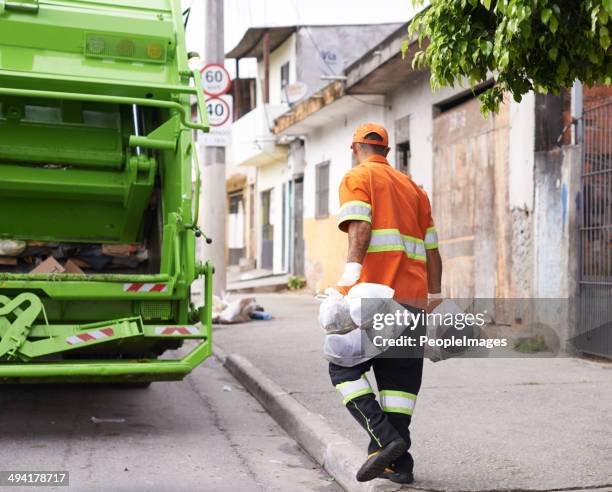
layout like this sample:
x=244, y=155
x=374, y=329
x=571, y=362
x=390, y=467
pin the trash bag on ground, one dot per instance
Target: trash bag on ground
x=237, y=311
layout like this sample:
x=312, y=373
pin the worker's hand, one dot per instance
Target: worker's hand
x=352, y=272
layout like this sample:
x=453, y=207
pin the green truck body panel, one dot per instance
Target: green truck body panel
x=96, y=148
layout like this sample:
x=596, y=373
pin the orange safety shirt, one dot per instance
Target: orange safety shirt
x=402, y=226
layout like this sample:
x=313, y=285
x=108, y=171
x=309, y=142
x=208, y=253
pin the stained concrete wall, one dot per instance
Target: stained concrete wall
x=330, y=49
x=416, y=100
x=556, y=235
x=470, y=162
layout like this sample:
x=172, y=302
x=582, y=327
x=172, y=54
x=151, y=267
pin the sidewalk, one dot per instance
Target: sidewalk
x=480, y=424
x=256, y=281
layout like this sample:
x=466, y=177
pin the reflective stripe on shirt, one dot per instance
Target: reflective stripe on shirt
x=431, y=238
x=355, y=210
x=391, y=240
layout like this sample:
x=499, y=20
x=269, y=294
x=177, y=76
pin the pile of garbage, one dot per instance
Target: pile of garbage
x=55, y=257
x=227, y=312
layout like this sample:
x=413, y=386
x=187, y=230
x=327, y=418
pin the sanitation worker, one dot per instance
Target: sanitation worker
x=392, y=241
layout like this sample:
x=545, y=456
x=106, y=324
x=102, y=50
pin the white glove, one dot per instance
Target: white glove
x=352, y=272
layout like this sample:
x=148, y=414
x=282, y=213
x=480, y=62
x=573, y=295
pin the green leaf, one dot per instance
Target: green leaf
x=552, y=53
x=562, y=68
x=504, y=60
x=556, y=9
x=553, y=24
x=486, y=47
x=486, y=3
x=545, y=15
x=607, y=4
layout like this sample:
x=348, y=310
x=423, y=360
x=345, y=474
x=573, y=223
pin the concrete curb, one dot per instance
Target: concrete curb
x=339, y=456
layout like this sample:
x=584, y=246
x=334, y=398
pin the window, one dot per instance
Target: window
x=322, y=190
x=402, y=157
x=284, y=80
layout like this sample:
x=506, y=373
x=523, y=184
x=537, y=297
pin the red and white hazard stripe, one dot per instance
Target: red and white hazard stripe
x=145, y=287
x=88, y=336
x=177, y=330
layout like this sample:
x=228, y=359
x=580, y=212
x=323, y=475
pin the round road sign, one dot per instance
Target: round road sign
x=215, y=79
x=219, y=111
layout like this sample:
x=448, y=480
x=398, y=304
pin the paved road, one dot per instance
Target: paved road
x=205, y=433
x=480, y=424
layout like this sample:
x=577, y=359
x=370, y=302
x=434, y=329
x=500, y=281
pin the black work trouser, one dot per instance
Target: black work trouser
x=398, y=381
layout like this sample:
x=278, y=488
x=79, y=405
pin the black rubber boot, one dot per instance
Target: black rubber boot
x=376, y=463
x=398, y=476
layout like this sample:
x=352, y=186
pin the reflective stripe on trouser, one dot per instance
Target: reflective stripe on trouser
x=355, y=210
x=397, y=401
x=353, y=389
x=392, y=240
x=431, y=238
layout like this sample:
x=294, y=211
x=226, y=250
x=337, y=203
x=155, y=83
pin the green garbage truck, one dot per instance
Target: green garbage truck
x=99, y=194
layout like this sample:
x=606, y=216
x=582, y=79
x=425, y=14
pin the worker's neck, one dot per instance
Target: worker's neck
x=371, y=156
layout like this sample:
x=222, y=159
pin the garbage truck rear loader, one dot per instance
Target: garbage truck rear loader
x=99, y=192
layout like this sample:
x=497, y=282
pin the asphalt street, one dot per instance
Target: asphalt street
x=203, y=434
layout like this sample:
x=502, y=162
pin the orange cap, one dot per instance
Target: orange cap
x=365, y=129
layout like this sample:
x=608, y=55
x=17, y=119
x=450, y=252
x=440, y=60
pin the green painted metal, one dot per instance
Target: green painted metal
x=96, y=119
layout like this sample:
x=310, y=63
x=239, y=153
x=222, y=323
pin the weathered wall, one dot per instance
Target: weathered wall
x=556, y=238
x=330, y=49
x=415, y=100
x=326, y=248
x=470, y=159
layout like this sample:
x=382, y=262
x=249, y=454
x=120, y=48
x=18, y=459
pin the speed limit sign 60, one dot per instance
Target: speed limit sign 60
x=215, y=79
x=219, y=111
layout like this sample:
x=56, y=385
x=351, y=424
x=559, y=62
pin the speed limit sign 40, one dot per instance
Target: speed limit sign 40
x=215, y=79
x=219, y=111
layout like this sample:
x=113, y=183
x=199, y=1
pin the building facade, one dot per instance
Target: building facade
x=292, y=63
x=505, y=190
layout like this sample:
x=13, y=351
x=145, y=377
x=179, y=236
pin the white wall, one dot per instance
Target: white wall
x=522, y=145
x=331, y=142
x=272, y=177
x=281, y=55
x=415, y=99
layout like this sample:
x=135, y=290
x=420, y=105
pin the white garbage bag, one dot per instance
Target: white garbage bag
x=10, y=247
x=439, y=330
x=345, y=350
x=366, y=290
x=334, y=314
